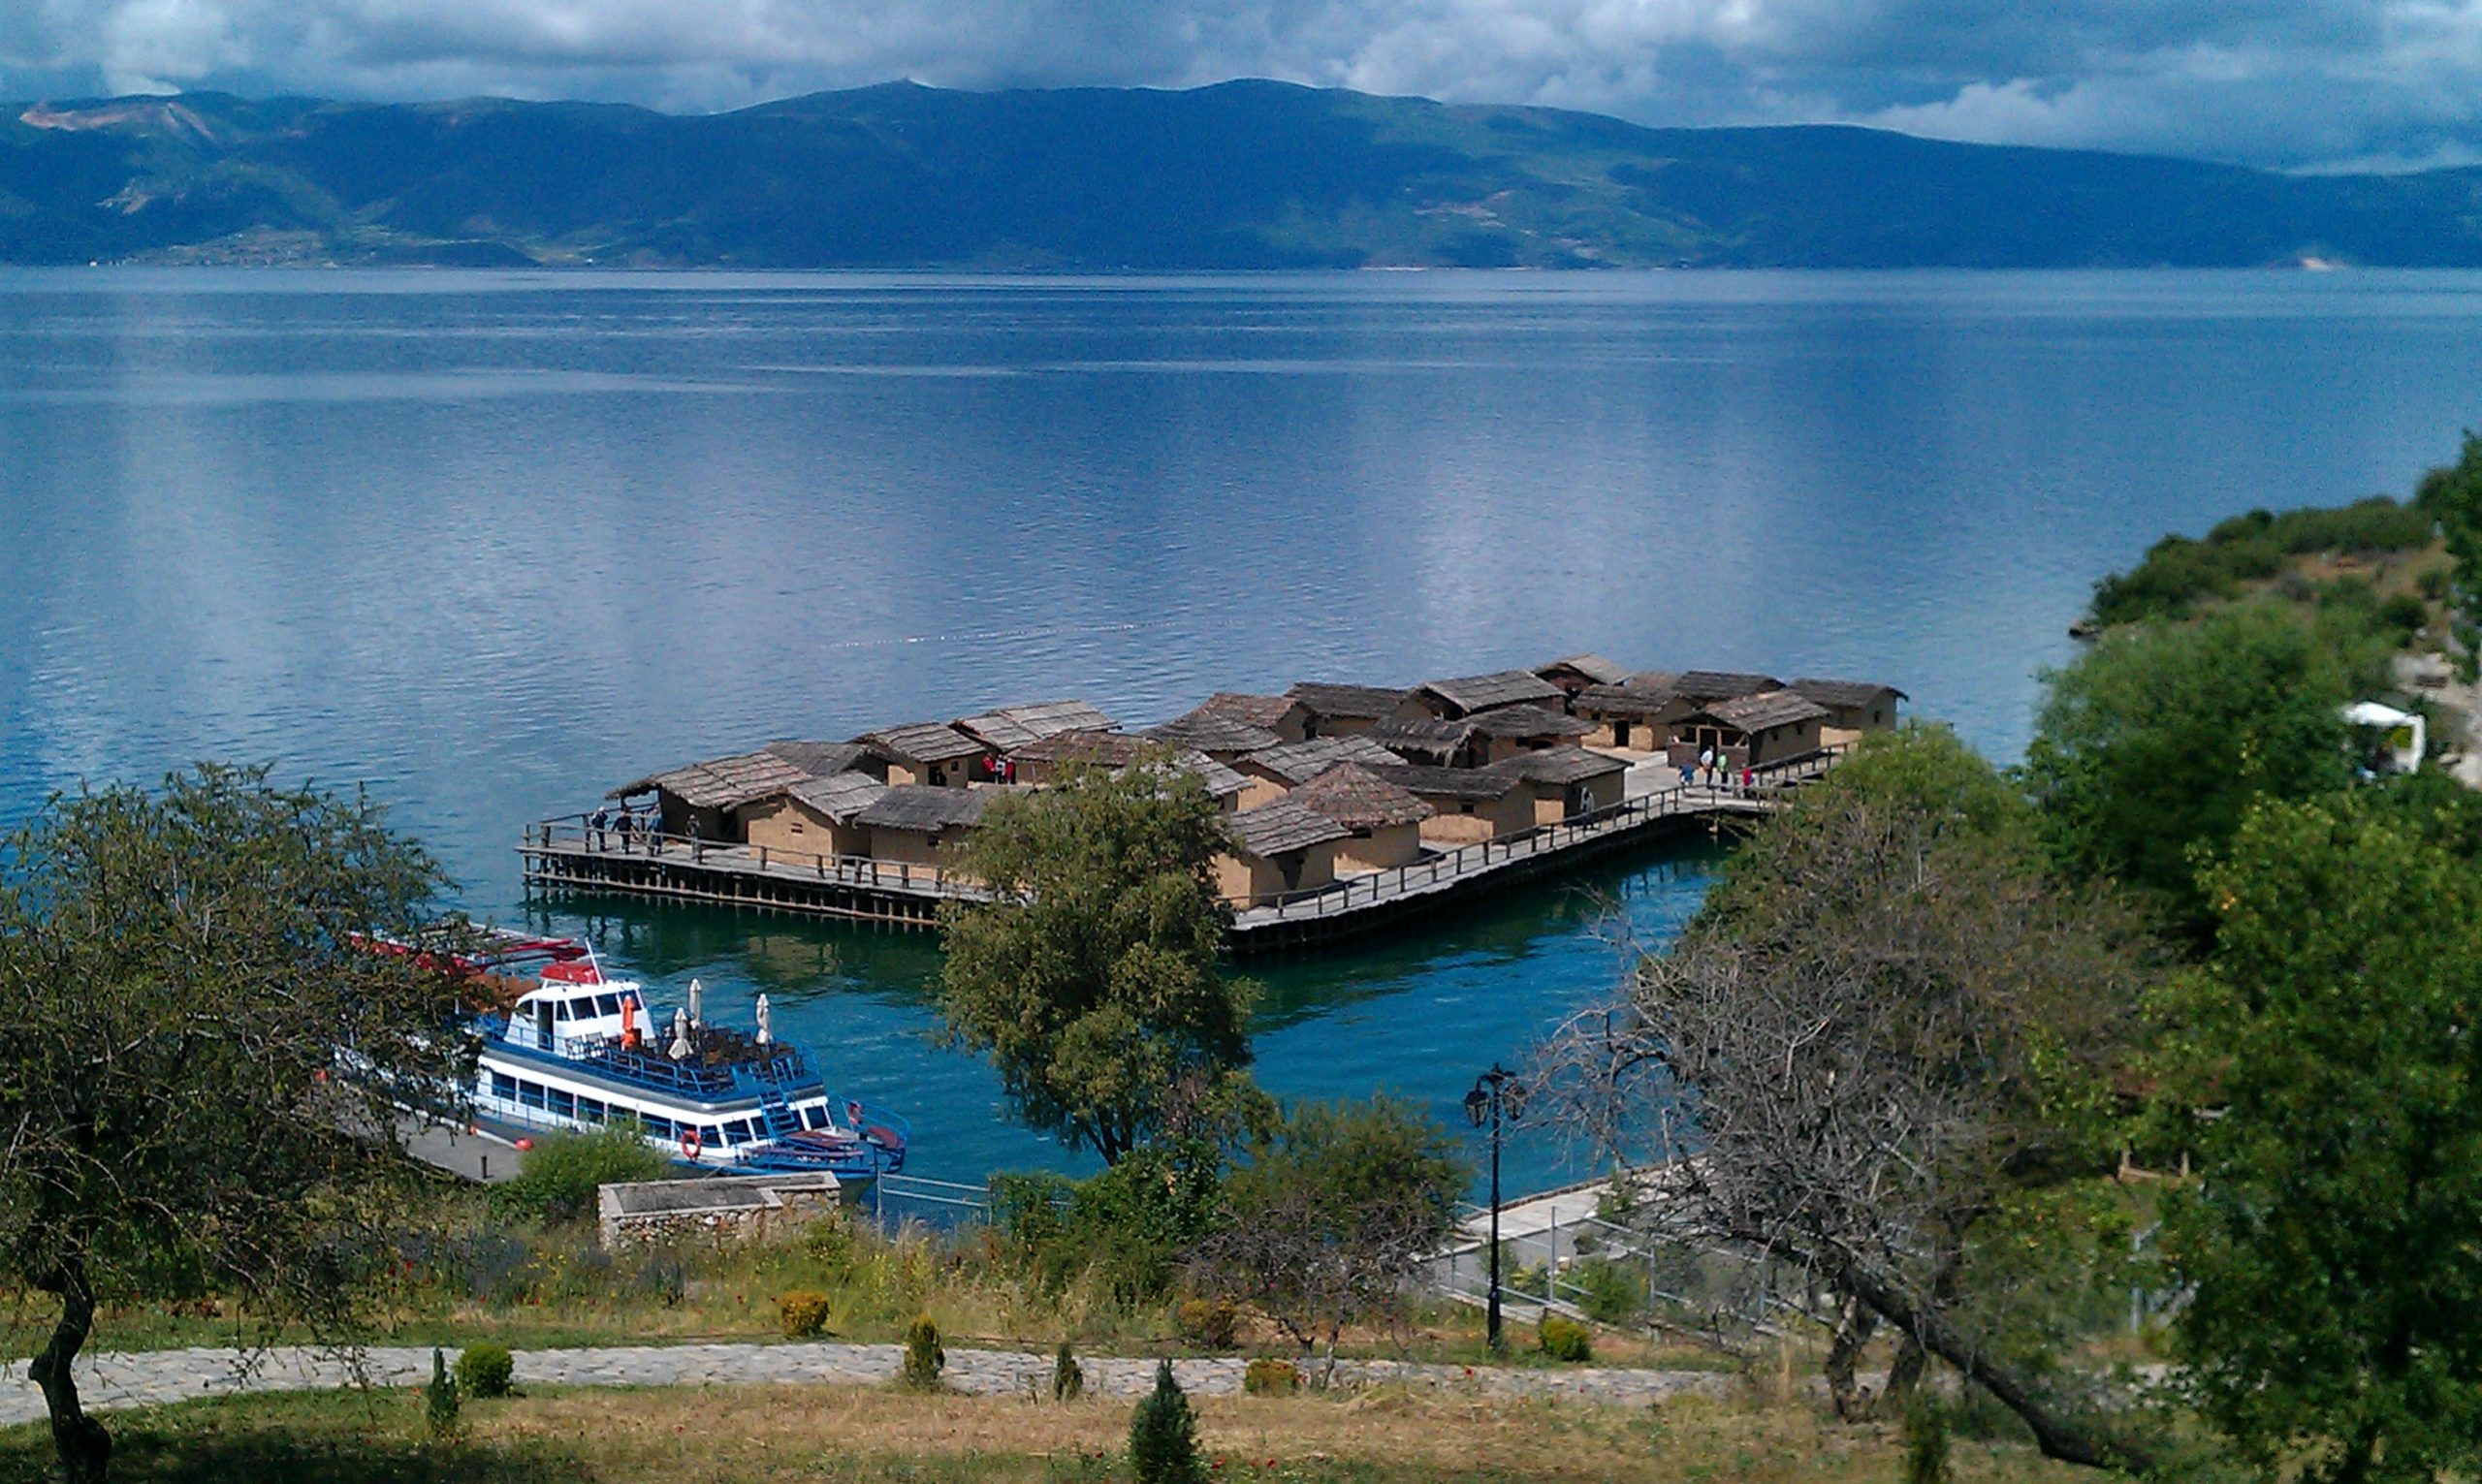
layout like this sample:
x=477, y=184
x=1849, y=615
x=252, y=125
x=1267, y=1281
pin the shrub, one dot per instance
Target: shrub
x=485, y=1370
x=1067, y=1377
x=830, y=1242
x=804, y=1312
x=924, y=1359
x=557, y=1181
x=1609, y=1292
x=1267, y=1377
x=2404, y=613
x=1564, y=1340
x=1926, y=1442
x=440, y=1406
x=1163, y=1435
x=1214, y=1323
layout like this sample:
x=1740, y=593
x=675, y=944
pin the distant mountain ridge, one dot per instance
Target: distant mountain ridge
x=1237, y=176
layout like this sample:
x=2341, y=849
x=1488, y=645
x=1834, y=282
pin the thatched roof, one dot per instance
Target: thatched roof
x=1209, y=731
x=1595, y=668
x=1705, y=686
x=1269, y=712
x=1425, y=735
x=1354, y=796
x=1350, y=702
x=840, y=796
x=1221, y=781
x=721, y=783
x=1011, y=727
x=1301, y=762
x=819, y=759
x=1098, y=749
x=1623, y=700
x=1765, y=712
x=921, y=741
x=1846, y=693
x=1469, y=693
x=1560, y=766
x=925, y=808
x=1281, y=826
x=1450, y=783
x=1514, y=721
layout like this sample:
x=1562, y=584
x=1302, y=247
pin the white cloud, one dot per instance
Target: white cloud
x=2291, y=82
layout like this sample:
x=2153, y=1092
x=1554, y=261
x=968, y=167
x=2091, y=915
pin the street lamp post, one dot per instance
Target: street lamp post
x=1488, y=1106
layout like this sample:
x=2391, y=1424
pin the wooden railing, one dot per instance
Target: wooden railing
x=575, y=833
x=1355, y=892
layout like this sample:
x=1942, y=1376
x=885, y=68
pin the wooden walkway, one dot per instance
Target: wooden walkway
x=566, y=856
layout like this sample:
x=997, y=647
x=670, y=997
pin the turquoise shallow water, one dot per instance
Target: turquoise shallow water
x=491, y=543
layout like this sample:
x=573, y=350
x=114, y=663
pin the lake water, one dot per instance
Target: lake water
x=495, y=541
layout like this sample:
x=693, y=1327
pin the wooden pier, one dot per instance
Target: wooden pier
x=568, y=856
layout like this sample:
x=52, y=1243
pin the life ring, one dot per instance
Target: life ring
x=689, y=1144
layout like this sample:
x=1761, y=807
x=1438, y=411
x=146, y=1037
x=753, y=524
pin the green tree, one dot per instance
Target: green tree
x=1888, y=1027
x=2452, y=494
x=2337, y=1309
x=562, y=1173
x=1334, y=1210
x=1163, y=1435
x=178, y=980
x=1092, y=979
x=2151, y=748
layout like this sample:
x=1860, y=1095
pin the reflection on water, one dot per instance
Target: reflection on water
x=491, y=543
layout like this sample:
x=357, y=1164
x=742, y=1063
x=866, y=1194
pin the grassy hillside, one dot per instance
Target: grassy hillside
x=1243, y=175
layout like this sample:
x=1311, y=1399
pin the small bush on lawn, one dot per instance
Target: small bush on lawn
x=558, y=1179
x=1564, y=1340
x=1267, y=1377
x=485, y=1370
x=1612, y=1293
x=1163, y=1435
x=804, y=1312
x=1213, y=1323
x=440, y=1406
x=1067, y=1377
x=924, y=1359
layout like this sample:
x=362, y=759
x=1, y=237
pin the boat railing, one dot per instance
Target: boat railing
x=785, y=1068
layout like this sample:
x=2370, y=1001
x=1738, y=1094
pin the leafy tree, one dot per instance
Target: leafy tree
x=2338, y=1310
x=1335, y=1209
x=1131, y=1222
x=177, y=977
x=563, y=1172
x=1887, y=1027
x=1092, y=978
x=2453, y=494
x=2151, y=748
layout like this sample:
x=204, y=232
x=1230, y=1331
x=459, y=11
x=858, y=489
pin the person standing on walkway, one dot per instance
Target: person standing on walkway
x=1706, y=766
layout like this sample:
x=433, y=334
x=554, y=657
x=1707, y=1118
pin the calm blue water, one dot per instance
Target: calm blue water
x=492, y=543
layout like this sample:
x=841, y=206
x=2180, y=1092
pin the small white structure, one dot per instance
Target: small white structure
x=2404, y=736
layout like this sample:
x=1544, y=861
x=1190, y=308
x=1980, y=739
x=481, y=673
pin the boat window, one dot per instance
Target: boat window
x=562, y=1102
x=656, y=1129
x=503, y=1085
x=606, y=1005
x=559, y=1009
x=591, y=1108
x=530, y=1093
x=744, y=1132
x=712, y=1136
x=814, y=1116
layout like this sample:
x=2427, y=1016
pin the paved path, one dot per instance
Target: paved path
x=155, y=1378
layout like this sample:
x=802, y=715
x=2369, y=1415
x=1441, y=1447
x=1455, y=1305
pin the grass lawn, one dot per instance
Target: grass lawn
x=761, y=1434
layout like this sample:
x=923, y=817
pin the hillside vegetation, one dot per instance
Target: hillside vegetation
x=1239, y=175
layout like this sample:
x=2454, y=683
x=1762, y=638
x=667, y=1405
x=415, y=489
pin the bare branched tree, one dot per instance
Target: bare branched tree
x=1886, y=1023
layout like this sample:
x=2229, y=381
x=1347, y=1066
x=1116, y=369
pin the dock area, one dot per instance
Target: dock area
x=1348, y=808
x=570, y=856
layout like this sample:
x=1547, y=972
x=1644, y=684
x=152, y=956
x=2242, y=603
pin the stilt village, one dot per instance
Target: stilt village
x=1347, y=804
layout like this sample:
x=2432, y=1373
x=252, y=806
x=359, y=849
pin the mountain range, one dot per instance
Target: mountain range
x=1246, y=174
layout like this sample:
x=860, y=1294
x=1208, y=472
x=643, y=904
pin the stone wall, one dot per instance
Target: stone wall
x=732, y=1208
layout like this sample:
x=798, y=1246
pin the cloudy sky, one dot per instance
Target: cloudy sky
x=2291, y=84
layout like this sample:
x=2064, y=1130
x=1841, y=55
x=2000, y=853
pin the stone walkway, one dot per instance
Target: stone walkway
x=156, y=1378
